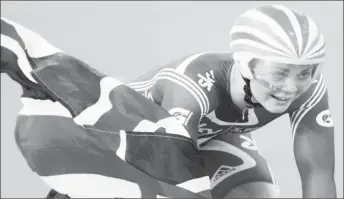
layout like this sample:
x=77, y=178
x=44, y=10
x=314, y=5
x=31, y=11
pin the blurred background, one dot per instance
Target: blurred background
x=123, y=39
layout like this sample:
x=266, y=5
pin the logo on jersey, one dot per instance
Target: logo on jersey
x=148, y=94
x=222, y=171
x=324, y=119
x=225, y=171
x=207, y=131
x=236, y=130
x=207, y=81
x=181, y=115
x=247, y=130
x=250, y=119
x=248, y=143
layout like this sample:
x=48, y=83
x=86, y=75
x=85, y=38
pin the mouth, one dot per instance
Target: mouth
x=281, y=99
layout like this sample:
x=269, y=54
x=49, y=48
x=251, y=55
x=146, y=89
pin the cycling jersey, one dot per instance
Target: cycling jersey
x=200, y=83
x=196, y=90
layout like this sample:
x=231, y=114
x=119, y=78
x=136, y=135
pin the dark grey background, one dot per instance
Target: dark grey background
x=123, y=39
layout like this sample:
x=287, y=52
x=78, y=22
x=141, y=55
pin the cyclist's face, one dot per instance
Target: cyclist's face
x=292, y=81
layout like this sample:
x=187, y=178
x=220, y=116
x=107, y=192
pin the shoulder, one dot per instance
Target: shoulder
x=208, y=69
x=312, y=110
x=205, y=75
x=204, y=61
x=192, y=65
x=199, y=77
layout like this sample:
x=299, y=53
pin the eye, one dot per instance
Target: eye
x=278, y=75
x=304, y=76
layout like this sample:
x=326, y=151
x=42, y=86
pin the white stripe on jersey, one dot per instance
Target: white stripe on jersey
x=192, y=90
x=22, y=60
x=179, y=69
x=163, y=74
x=182, y=80
x=196, y=86
x=308, y=105
x=143, y=84
x=309, y=99
x=182, y=67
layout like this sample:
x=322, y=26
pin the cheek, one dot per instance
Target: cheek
x=302, y=88
x=259, y=92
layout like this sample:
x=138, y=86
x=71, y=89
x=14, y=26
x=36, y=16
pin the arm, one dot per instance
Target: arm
x=314, y=145
x=187, y=100
x=187, y=97
x=180, y=104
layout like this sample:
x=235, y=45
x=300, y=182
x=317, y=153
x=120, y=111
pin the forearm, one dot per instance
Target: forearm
x=319, y=186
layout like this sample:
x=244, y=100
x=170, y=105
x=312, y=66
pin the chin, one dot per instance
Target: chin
x=275, y=109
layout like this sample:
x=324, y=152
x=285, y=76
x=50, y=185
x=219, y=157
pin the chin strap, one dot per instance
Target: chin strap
x=248, y=94
x=247, y=89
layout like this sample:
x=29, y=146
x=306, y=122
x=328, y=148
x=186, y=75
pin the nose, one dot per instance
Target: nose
x=290, y=85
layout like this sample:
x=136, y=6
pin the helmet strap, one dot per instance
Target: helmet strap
x=242, y=58
x=248, y=94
